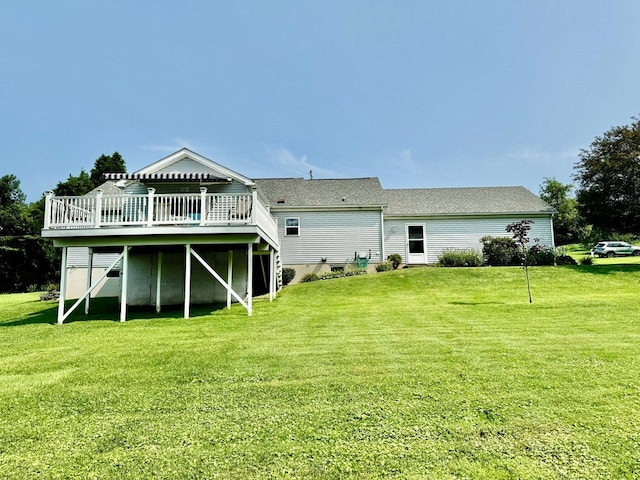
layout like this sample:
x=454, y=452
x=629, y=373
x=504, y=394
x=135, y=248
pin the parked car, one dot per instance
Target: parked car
x=612, y=249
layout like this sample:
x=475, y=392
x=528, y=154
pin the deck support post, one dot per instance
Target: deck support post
x=217, y=276
x=61, y=313
x=187, y=281
x=124, y=283
x=89, y=276
x=229, y=277
x=63, y=285
x=250, y=278
x=158, y=282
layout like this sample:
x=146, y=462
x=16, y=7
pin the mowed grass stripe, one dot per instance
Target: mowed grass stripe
x=420, y=373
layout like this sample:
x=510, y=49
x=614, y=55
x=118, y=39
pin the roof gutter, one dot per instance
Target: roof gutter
x=467, y=214
x=320, y=208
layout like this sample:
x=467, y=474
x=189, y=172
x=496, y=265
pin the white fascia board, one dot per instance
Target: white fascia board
x=389, y=216
x=235, y=238
x=141, y=234
x=327, y=208
x=196, y=157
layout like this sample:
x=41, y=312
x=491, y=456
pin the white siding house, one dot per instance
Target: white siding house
x=188, y=230
x=447, y=218
x=325, y=224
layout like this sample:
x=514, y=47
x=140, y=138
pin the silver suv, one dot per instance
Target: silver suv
x=612, y=249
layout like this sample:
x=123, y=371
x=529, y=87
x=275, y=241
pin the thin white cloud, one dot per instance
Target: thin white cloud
x=170, y=148
x=531, y=154
x=285, y=159
x=404, y=160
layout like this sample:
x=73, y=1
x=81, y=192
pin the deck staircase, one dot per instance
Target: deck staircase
x=278, y=271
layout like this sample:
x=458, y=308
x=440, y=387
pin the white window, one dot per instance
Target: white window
x=292, y=226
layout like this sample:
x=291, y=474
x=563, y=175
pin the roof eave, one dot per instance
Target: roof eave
x=469, y=214
x=299, y=208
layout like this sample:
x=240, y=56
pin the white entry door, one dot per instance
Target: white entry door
x=416, y=244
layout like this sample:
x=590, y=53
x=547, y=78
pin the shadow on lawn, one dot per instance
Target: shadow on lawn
x=108, y=309
x=476, y=303
x=605, y=269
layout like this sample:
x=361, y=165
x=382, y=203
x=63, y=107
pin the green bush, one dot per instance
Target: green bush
x=541, y=254
x=309, y=277
x=288, y=274
x=586, y=261
x=332, y=274
x=395, y=259
x=51, y=287
x=460, y=257
x=384, y=266
x=353, y=272
x=342, y=273
x=499, y=251
x=565, y=260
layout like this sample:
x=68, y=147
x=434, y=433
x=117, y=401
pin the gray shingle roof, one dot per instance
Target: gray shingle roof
x=108, y=188
x=301, y=192
x=461, y=201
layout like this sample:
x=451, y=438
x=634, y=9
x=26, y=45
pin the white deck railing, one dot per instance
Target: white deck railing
x=199, y=209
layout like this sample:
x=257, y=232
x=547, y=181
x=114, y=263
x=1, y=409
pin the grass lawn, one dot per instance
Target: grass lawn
x=419, y=373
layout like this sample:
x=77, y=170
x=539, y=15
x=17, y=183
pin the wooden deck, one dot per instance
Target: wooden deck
x=156, y=210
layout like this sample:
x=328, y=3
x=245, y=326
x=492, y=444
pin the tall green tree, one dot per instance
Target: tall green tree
x=520, y=234
x=13, y=210
x=25, y=258
x=608, y=175
x=113, y=163
x=75, y=185
x=568, y=225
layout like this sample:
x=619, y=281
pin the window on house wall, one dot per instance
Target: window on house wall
x=292, y=226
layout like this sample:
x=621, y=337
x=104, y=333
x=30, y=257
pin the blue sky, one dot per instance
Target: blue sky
x=418, y=93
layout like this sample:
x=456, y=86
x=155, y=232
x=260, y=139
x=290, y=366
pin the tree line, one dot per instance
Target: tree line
x=28, y=261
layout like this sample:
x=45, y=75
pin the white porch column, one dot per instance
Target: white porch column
x=47, y=208
x=187, y=281
x=229, y=277
x=250, y=279
x=89, y=276
x=63, y=285
x=124, y=283
x=254, y=202
x=203, y=205
x=98, y=209
x=151, y=191
x=158, y=282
